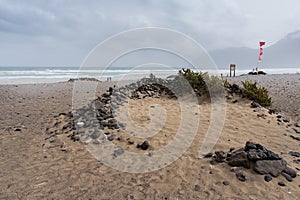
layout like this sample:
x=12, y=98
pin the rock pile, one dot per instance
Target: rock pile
x=96, y=122
x=257, y=157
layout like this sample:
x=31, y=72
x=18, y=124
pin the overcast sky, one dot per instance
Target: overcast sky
x=62, y=32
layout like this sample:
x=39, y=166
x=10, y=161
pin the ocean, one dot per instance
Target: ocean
x=25, y=74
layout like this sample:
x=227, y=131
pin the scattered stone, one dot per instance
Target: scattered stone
x=268, y=178
x=255, y=105
x=271, y=111
x=231, y=149
x=295, y=138
x=208, y=155
x=75, y=137
x=110, y=138
x=144, y=146
x=226, y=183
x=286, y=119
x=118, y=152
x=197, y=187
x=294, y=153
x=95, y=135
x=241, y=176
x=80, y=124
x=290, y=172
x=235, y=101
x=280, y=183
x=287, y=177
x=129, y=141
x=296, y=130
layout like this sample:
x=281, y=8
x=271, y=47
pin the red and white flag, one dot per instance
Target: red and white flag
x=261, y=44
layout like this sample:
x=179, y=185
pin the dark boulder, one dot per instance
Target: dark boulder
x=239, y=159
x=273, y=167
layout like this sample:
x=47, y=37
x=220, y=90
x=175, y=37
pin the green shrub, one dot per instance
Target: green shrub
x=257, y=94
x=202, y=83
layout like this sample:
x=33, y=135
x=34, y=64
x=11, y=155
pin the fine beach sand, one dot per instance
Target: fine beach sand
x=31, y=168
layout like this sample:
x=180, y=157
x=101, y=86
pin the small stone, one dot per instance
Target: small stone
x=231, y=149
x=226, y=183
x=207, y=155
x=197, y=187
x=118, y=152
x=96, y=142
x=110, y=138
x=80, y=124
x=282, y=184
x=129, y=141
x=235, y=101
x=294, y=153
x=290, y=172
x=286, y=120
x=95, y=135
x=295, y=138
x=255, y=105
x=287, y=177
x=241, y=176
x=144, y=146
x=268, y=178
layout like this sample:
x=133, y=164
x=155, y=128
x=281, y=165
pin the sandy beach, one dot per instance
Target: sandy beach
x=36, y=166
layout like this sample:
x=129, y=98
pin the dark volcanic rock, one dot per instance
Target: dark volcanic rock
x=273, y=167
x=220, y=156
x=282, y=184
x=256, y=154
x=208, y=155
x=268, y=178
x=294, y=153
x=239, y=159
x=295, y=138
x=290, y=172
x=287, y=177
x=197, y=187
x=226, y=183
x=144, y=146
x=255, y=105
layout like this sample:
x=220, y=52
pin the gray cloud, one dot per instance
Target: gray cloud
x=61, y=32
